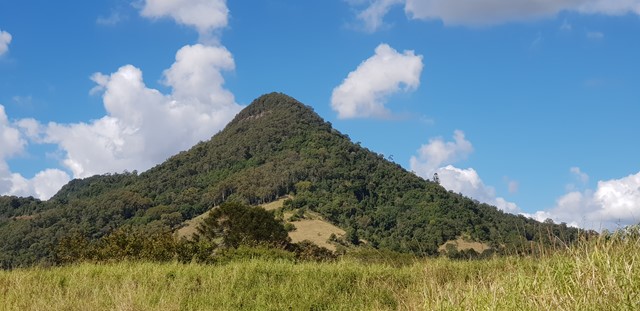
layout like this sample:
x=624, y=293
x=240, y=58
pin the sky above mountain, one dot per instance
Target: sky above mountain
x=529, y=105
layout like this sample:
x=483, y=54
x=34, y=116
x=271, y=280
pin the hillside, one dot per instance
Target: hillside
x=274, y=147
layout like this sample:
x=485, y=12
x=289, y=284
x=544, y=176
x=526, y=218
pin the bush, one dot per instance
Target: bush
x=289, y=227
x=308, y=251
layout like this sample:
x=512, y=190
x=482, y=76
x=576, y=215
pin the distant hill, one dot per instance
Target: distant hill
x=274, y=147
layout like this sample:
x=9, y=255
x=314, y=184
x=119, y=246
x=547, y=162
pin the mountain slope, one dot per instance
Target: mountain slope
x=275, y=146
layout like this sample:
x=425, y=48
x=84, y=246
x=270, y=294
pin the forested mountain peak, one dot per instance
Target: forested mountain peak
x=274, y=103
x=276, y=146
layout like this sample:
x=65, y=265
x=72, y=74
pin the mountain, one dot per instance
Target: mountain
x=274, y=147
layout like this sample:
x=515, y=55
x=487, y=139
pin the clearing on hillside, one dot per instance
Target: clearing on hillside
x=190, y=226
x=276, y=204
x=313, y=227
x=316, y=231
x=463, y=244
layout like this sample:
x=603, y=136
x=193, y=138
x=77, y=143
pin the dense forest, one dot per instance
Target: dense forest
x=274, y=147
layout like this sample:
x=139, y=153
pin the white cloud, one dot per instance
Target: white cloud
x=614, y=203
x=468, y=182
x=5, y=40
x=373, y=15
x=48, y=182
x=144, y=127
x=432, y=159
x=365, y=91
x=42, y=186
x=492, y=12
x=205, y=15
x=11, y=143
x=580, y=175
x=45, y=184
x=437, y=153
x=10, y=139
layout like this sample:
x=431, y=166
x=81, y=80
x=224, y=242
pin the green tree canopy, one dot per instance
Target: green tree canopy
x=235, y=224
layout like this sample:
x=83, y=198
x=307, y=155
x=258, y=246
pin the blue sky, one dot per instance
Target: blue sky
x=529, y=105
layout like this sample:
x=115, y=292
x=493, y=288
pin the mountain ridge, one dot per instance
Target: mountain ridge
x=273, y=147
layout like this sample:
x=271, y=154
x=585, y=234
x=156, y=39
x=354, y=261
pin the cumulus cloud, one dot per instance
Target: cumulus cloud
x=10, y=139
x=143, y=126
x=42, y=186
x=437, y=153
x=5, y=40
x=365, y=91
x=468, y=182
x=45, y=184
x=614, y=203
x=205, y=15
x=492, y=12
x=437, y=157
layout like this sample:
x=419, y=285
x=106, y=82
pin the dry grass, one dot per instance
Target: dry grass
x=463, y=244
x=275, y=204
x=246, y=285
x=601, y=275
x=189, y=227
x=316, y=231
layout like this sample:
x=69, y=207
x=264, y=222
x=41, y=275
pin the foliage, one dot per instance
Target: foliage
x=237, y=224
x=275, y=146
x=262, y=239
x=308, y=251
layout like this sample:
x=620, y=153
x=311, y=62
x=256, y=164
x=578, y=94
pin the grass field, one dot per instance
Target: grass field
x=603, y=275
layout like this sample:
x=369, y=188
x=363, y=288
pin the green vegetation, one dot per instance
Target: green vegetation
x=236, y=224
x=601, y=274
x=274, y=147
x=228, y=231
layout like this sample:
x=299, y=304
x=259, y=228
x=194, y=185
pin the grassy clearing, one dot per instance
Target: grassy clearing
x=316, y=231
x=464, y=244
x=190, y=226
x=595, y=276
x=276, y=204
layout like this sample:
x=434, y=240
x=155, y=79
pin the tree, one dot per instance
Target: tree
x=235, y=224
x=352, y=236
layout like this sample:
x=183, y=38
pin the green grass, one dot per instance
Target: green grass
x=601, y=275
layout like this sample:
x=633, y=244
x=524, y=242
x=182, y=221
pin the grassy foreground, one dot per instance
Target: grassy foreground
x=595, y=276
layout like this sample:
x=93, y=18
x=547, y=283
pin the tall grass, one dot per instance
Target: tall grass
x=595, y=275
